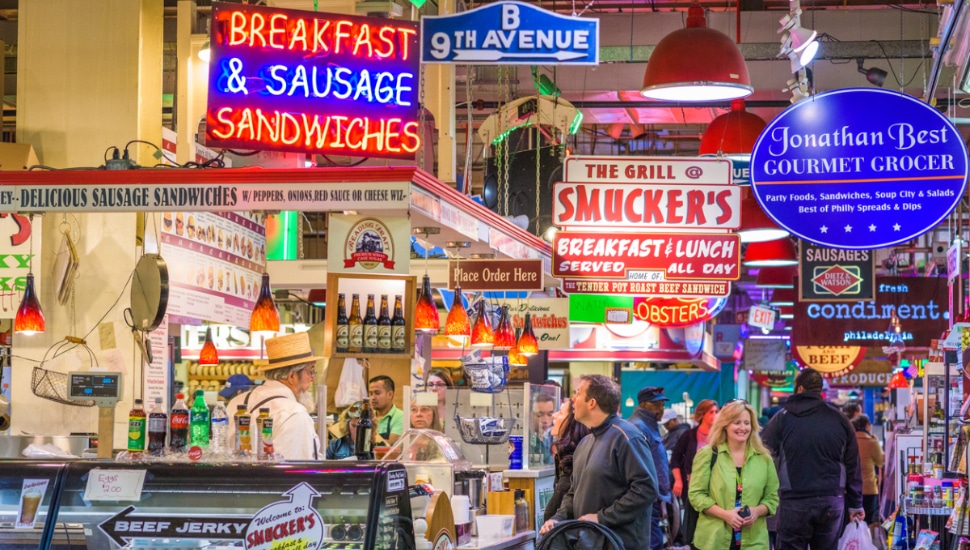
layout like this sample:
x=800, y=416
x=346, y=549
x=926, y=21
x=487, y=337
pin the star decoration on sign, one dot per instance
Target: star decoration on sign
x=872, y=227
x=896, y=227
x=823, y=229
x=848, y=228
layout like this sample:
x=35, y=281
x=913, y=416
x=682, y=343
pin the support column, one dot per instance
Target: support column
x=193, y=81
x=439, y=99
x=94, y=81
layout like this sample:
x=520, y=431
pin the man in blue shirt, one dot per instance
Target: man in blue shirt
x=645, y=417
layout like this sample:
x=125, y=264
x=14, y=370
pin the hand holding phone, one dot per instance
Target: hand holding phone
x=745, y=511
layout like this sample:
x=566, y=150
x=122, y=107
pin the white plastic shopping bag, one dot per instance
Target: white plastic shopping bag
x=856, y=537
x=351, y=388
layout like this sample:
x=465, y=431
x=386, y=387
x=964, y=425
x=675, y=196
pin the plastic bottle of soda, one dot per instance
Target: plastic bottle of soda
x=265, y=451
x=199, y=421
x=220, y=427
x=244, y=438
x=178, y=425
x=136, y=428
x=157, y=429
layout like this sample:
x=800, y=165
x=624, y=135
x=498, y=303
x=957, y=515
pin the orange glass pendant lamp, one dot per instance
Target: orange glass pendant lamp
x=265, y=317
x=30, y=317
x=528, y=344
x=504, y=333
x=209, y=355
x=425, y=311
x=482, y=334
x=457, y=323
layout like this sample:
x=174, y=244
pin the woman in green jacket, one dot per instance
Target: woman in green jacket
x=736, y=492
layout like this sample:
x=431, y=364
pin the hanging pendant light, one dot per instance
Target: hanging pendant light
x=265, y=317
x=756, y=226
x=732, y=134
x=527, y=344
x=898, y=381
x=30, y=317
x=777, y=277
x=516, y=358
x=504, y=334
x=779, y=252
x=209, y=355
x=457, y=323
x=482, y=334
x=696, y=64
x=425, y=311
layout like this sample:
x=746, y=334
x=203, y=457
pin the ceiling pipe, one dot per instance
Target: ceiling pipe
x=945, y=37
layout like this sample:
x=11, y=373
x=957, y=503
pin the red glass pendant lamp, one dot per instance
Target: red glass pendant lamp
x=209, y=355
x=265, y=316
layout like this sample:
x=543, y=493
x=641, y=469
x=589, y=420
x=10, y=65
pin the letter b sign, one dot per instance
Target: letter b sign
x=510, y=17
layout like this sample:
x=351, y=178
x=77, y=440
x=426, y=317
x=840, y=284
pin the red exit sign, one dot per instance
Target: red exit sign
x=761, y=317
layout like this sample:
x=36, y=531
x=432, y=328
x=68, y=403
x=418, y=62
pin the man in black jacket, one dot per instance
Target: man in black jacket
x=818, y=467
x=614, y=481
x=645, y=418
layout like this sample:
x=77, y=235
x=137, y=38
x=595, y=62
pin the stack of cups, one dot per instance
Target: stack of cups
x=460, y=509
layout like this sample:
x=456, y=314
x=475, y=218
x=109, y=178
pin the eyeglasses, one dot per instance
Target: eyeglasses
x=437, y=385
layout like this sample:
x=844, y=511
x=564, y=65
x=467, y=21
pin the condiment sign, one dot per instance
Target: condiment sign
x=475, y=275
x=830, y=361
x=835, y=275
x=662, y=288
x=859, y=168
x=694, y=171
x=919, y=302
x=638, y=256
x=653, y=206
x=310, y=82
x=510, y=33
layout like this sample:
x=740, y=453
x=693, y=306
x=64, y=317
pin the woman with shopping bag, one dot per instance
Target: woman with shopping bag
x=733, y=483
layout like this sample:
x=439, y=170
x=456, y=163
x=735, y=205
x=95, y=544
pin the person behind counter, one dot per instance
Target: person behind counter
x=289, y=372
x=235, y=385
x=439, y=381
x=388, y=419
x=344, y=432
x=424, y=417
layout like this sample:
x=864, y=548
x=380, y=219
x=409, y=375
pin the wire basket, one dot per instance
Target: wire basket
x=486, y=375
x=485, y=430
x=53, y=385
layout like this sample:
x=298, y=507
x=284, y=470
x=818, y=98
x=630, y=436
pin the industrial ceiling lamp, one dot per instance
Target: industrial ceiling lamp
x=696, y=63
x=776, y=277
x=30, y=317
x=457, y=323
x=782, y=297
x=425, y=311
x=265, y=316
x=875, y=75
x=209, y=356
x=732, y=134
x=756, y=226
x=799, y=44
x=780, y=252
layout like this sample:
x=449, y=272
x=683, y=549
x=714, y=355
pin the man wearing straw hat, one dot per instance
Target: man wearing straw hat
x=289, y=371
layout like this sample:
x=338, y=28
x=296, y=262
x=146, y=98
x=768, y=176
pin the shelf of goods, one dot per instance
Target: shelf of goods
x=213, y=377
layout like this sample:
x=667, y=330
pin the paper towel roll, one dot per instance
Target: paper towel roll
x=459, y=509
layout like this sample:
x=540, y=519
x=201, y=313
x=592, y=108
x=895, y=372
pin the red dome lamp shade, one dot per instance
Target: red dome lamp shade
x=756, y=226
x=209, y=355
x=265, y=317
x=504, y=333
x=696, y=63
x=457, y=323
x=780, y=252
x=732, y=134
x=898, y=381
x=482, y=334
x=425, y=311
x=30, y=317
x=528, y=344
x=777, y=277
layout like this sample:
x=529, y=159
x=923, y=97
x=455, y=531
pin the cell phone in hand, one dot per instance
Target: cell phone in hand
x=745, y=511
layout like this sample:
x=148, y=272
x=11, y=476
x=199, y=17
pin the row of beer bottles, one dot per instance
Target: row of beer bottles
x=370, y=334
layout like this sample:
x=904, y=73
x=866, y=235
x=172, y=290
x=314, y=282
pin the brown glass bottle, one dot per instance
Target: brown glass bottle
x=356, y=325
x=397, y=327
x=342, y=337
x=384, y=328
x=363, y=439
x=370, y=327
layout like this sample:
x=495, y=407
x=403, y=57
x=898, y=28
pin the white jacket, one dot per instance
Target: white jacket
x=293, y=433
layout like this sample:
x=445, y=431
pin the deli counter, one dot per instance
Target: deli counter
x=99, y=505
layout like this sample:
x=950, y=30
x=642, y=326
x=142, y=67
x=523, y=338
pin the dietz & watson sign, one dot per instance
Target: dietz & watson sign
x=919, y=302
x=835, y=275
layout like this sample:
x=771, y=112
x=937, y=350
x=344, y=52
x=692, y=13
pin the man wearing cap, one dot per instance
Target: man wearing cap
x=289, y=372
x=645, y=417
x=235, y=385
x=675, y=428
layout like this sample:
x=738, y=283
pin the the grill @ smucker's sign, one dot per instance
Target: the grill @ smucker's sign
x=636, y=256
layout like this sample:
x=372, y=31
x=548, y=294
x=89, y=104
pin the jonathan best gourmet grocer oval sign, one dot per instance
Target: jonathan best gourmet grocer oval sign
x=859, y=168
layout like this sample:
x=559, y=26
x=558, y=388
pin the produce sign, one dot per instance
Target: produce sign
x=638, y=256
x=308, y=82
x=859, y=168
x=646, y=206
x=919, y=302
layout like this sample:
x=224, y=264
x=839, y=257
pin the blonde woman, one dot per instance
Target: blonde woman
x=740, y=488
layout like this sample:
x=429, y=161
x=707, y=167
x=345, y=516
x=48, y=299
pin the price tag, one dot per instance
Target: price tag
x=114, y=485
x=480, y=399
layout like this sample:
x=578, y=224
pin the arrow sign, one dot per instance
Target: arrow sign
x=126, y=526
x=474, y=56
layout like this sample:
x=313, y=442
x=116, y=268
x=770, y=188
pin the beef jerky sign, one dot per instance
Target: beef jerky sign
x=835, y=275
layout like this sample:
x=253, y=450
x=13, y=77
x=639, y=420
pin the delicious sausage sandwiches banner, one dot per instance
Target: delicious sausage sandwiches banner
x=919, y=302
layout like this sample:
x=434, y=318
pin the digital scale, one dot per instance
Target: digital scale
x=104, y=388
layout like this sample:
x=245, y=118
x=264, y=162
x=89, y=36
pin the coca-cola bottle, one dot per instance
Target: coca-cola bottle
x=157, y=429
x=179, y=425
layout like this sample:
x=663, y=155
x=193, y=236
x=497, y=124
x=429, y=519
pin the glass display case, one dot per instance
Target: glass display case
x=104, y=505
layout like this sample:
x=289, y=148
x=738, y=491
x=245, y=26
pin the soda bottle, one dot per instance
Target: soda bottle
x=199, y=421
x=157, y=429
x=244, y=441
x=220, y=427
x=384, y=328
x=343, y=326
x=363, y=447
x=265, y=451
x=178, y=422
x=136, y=428
x=370, y=327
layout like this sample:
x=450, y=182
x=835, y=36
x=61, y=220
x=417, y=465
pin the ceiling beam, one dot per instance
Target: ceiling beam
x=768, y=51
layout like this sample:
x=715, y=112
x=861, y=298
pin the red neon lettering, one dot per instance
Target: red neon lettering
x=390, y=134
x=404, y=41
x=363, y=39
x=350, y=129
x=386, y=40
x=256, y=30
x=220, y=116
x=339, y=132
x=376, y=136
x=237, y=28
x=277, y=30
x=319, y=42
x=411, y=131
x=298, y=35
x=288, y=118
x=339, y=34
